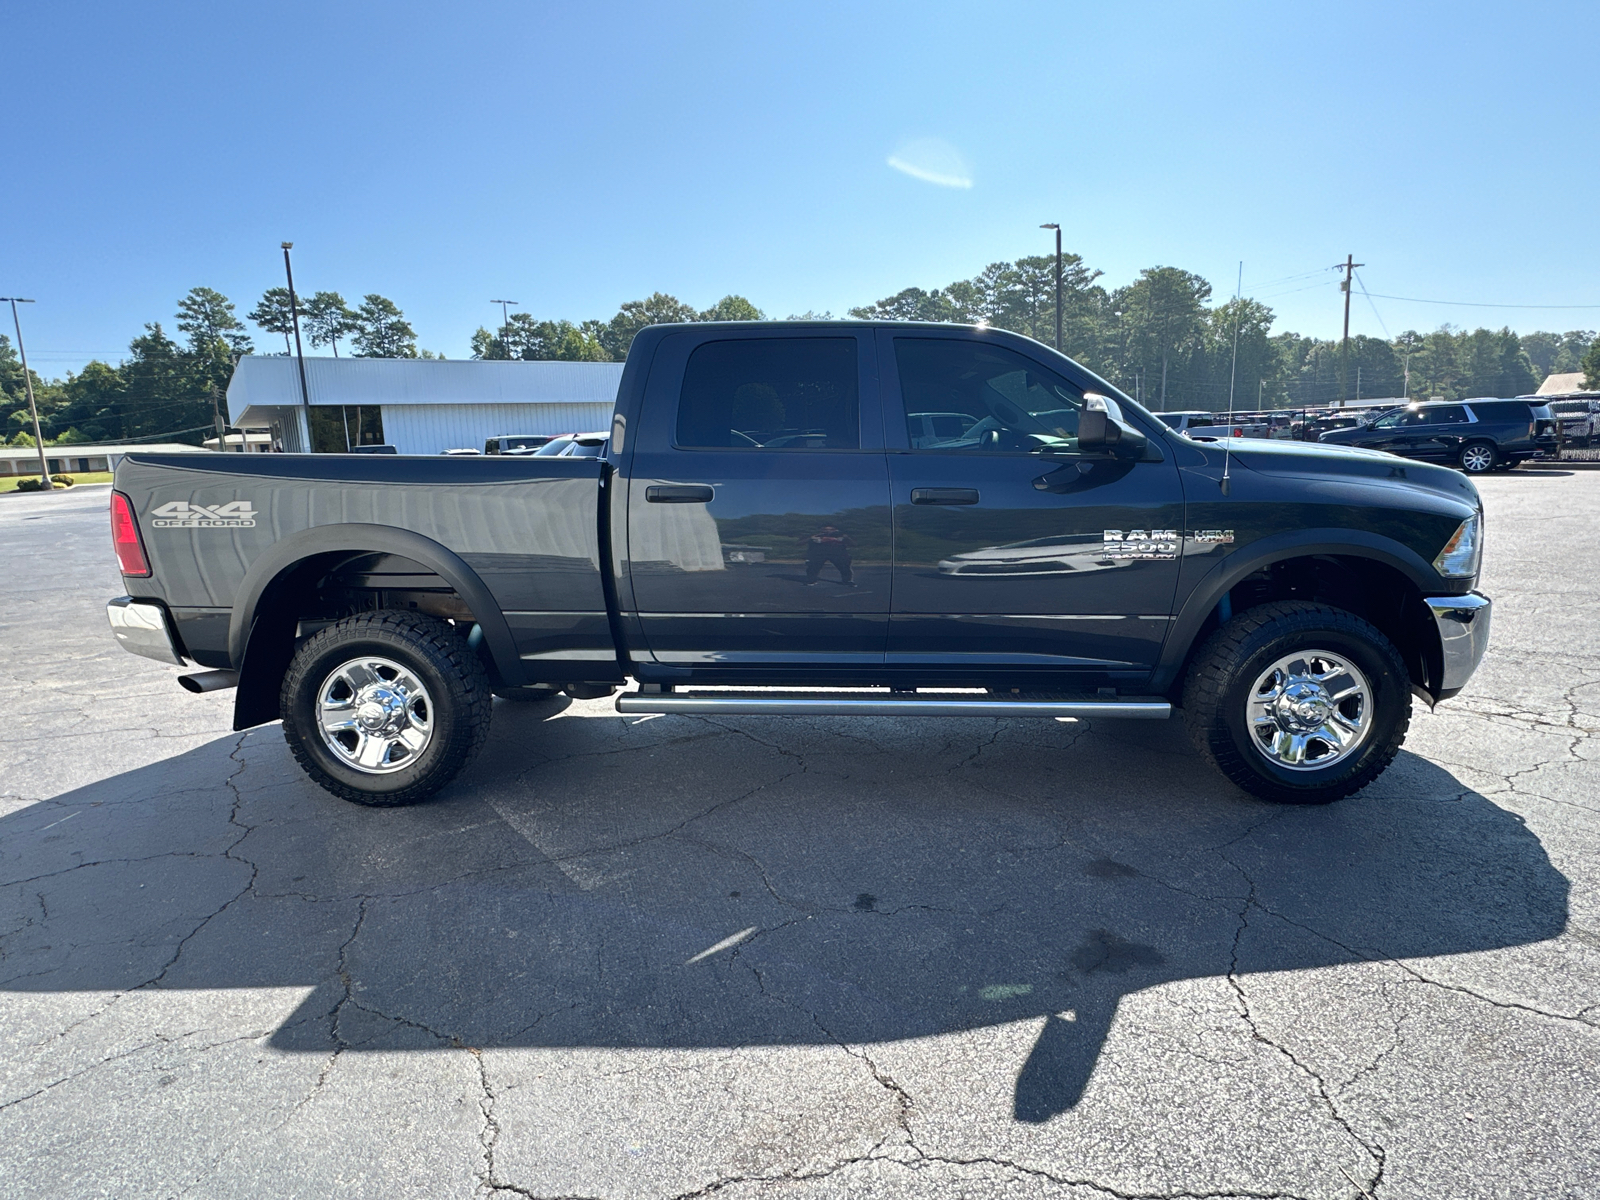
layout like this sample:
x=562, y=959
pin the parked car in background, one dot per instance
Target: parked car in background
x=586, y=445
x=1198, y=424
x=1578, y=421
x=1182, y=422
x=570, y=445
x=516, y=443
x=1475, y=435
x=466, y=451
x=1315, y=427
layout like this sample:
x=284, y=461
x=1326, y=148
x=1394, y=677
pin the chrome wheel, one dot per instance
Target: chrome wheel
x=1477, y=458
x=1309, y=710
x=375, y=715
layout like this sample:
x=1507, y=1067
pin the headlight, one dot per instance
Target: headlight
x=1461, y=554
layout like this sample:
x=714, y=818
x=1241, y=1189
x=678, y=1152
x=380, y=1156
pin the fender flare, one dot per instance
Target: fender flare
x=286, y=554
x=1230, y=569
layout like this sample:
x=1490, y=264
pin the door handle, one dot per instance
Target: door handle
x=944, y=495
x=678, y=493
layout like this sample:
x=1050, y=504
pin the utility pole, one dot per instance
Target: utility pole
x=299, y=354
x=27, y=382
x=1349, y=266
x=505, y=324
x=1057, y=228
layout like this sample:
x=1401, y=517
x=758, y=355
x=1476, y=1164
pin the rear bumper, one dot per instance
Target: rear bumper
x=1463, y=624
x=141, y=627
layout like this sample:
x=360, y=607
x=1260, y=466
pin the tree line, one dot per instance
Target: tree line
x=171, y=389
x=1161, y=338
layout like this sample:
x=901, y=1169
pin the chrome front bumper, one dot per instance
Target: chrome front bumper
x=140, y=627
x=1463, y=624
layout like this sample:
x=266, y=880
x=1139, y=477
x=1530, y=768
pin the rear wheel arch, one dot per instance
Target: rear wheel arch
x=283, y=586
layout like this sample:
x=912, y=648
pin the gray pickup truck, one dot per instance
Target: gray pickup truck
x=820, y=518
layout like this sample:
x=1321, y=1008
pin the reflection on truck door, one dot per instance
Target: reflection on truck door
x=1010, y=545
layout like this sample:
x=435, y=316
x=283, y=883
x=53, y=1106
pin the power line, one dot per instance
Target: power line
x=1374, y=308
x=1290, y=291
x=1479, y=304
x=1293, y=278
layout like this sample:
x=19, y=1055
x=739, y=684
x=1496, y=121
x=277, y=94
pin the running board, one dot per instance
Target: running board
x=884, y=704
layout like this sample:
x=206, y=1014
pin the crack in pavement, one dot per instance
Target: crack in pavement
x=1373, y=1149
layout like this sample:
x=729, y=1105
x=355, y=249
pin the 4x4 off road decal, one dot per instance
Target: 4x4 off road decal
x=180, y=514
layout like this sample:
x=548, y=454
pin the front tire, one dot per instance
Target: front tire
x=1298, y=703
x=385, y=708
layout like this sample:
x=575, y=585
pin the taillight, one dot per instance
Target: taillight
x=125, y=537
x=1238, y=433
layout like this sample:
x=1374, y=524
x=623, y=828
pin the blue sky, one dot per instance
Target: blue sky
x=572, y=156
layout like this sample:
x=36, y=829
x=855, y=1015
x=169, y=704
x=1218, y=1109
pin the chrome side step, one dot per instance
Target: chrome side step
x=887, y=704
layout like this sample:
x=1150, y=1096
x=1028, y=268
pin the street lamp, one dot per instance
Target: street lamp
x=27, y=382
x=505, y=324
x=299, y=354
x=1057, y=228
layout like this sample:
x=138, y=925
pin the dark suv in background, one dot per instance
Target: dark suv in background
x=1475, y=435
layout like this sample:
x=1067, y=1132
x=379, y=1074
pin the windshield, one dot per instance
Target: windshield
x=554, y=446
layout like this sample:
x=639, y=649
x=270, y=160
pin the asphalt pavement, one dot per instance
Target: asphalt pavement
x=668, y=957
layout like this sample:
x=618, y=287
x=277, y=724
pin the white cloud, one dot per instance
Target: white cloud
x=932, y=160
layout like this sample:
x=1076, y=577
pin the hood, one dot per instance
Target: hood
x=1306, y=460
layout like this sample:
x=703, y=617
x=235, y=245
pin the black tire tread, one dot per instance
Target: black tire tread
x=424, y=635
x=1211, y=674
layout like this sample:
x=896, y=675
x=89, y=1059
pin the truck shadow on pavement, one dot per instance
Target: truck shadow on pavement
x=597, y=881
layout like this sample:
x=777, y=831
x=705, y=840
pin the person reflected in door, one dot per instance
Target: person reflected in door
x=828, y=545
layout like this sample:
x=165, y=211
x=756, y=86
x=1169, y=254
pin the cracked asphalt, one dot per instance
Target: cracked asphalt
x=682, y=957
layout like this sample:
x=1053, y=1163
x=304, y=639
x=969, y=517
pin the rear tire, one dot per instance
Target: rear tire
x=1478, y=458
x=385, y=708
x=1268, y=685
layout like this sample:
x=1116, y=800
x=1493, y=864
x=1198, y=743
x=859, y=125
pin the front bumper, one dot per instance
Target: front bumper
x=1463, y=625
x=141, y=627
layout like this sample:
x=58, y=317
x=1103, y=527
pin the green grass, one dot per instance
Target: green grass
x=77, y=477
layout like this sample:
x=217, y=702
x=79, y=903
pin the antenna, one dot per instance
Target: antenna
x=1233, y=374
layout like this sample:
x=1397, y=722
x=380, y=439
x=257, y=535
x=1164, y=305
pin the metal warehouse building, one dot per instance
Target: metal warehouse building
x=417, y=405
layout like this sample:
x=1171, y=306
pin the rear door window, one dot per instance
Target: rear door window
x=771, y=394
x=1500, y=410
x=1447, y=414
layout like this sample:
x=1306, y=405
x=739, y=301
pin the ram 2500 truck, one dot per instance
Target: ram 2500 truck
x=820, y=518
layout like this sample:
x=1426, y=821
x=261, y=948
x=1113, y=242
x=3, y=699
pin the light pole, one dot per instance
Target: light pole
x=299, y=354
x=505, y=324
x=27, y=382
x=1057, y=228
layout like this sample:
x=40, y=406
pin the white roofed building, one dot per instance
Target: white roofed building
x=1567, y=384
x=417, y=405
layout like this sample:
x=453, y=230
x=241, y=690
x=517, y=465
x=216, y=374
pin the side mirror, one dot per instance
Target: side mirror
x=1099, y=429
